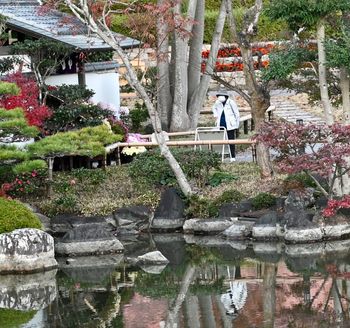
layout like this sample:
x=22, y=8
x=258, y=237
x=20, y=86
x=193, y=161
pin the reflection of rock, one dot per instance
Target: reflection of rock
x=27, y=292
x=155, y=257
x=172, y=246
x=90, y=269
x=26, y=250
x=153, y=269
x=88, y=239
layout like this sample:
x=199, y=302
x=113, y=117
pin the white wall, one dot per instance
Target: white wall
x=105, y=84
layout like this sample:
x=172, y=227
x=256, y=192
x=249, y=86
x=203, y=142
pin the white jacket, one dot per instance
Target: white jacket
x=231, y=113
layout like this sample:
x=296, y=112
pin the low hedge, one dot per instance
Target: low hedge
x=14, y=215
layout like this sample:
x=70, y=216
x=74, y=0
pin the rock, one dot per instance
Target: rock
x=61, y=224
x=152, y=258
x=303, y=235
x=132, y=218
x=255, y=214
x=88, y=239
x=321, y=202
x=235, y=209
x=26, y=250
x=206, y=226
x=270, y=218
x=239, y=230
x=265, y=232
x=170, y=213
x=300, y=199
x=298, y=219
x=45, y=221
x=28, y=292
x=336, y=231
x=172, y=246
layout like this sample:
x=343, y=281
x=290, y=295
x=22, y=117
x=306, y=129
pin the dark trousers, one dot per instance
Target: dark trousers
x=231, y=135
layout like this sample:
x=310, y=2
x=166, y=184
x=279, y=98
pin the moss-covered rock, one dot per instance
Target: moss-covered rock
x=14, y=215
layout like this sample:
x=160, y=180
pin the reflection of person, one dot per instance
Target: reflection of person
x=235, y=297
x=226, y=112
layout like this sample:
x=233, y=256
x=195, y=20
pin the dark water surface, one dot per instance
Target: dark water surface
x=208, y=283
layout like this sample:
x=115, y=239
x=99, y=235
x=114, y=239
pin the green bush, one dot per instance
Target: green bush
x=302, y=178
x=152, y=168
x=219, y=177
x=263, y=200
x=229, y=196
x=201, y=207
x=138, y=115
x=30, y=166
x=14, y=215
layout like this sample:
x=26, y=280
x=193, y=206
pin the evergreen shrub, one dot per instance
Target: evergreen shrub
x=14, y=215
x=263, y=200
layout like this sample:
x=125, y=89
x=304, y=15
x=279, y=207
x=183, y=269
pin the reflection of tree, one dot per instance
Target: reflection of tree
x=269, y=295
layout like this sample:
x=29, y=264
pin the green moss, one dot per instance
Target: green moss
x=14, y=215
x=13, y=318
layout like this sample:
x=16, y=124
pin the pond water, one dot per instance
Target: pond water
x=208, y=283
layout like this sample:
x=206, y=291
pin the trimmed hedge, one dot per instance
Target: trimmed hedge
x=14, y=215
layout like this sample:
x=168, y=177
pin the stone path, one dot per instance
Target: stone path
x=290, y=111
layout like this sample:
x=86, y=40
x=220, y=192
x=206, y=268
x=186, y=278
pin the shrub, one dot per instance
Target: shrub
x=302, y=178
x=219, y=177
x=201, y=207
x=263, y=200
x=138, y=115
x=229, y=196
x=30, y=166
x=14, y=215
x=152, y=167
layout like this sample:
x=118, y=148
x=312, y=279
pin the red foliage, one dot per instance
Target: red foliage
x=326, y=146
x=334, y=205
x=35, y=113
x=236, y=52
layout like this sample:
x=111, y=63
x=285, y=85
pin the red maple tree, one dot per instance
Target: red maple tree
x=27, y=99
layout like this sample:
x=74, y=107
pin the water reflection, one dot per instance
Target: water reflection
x=210, y=285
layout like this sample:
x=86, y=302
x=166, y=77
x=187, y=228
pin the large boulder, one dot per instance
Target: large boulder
x=235, y=209
x=239, y=230
x=132, y=219
x=28, y=292
x=26, y=250
x=300, y=198
x=170, y=213
x=61, y=224
x=88, y=239
x=206, y=226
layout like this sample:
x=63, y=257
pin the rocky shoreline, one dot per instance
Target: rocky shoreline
x=294, y=221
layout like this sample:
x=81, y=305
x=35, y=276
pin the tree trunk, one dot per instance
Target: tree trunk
x=345, y=92
x=164, y=99
x=50, y=161
x=196, y=45
x=322, y=73
x=197, y=100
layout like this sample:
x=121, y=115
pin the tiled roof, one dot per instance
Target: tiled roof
x=101, y=66
x=53, y=24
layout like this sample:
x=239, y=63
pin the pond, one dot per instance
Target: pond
x=208, y=283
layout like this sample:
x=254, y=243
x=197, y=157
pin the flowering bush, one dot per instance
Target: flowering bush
x=27, y=99
x=134, y=137
x=234, y=51
x=25, y=184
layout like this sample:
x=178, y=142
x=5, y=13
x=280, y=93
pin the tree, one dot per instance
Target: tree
x=301, y=15
x=255, y=92
x=90, y=141
x=313, y=149
x=45, y=57
x=27, y=99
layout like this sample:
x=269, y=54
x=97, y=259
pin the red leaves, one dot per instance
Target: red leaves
x=326, y=147
x=35, y=113
x=334, y=205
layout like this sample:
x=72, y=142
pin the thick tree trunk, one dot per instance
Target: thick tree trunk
x=179, y=117
x=195, y=54
x=197, y=100
x=50, y=161
x=164, y=99
x=322, y=73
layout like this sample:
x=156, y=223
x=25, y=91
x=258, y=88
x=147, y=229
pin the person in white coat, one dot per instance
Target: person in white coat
x=226, y=112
